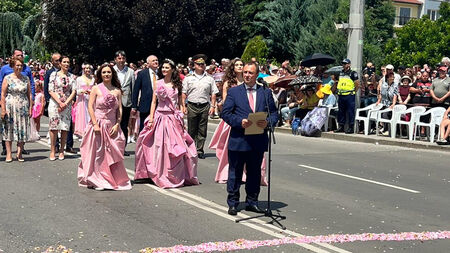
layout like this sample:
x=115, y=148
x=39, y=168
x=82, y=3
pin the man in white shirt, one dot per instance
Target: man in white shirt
x=200, y=90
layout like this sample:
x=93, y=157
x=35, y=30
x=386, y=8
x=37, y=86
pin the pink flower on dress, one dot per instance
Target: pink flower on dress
x=109, y=100
x=161, y=92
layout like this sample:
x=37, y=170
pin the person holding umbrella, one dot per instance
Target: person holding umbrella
x=346, y=88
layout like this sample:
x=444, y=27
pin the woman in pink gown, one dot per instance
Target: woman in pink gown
x=83, y=86
x=219, y=141
x=165, y=153
x=103, y=143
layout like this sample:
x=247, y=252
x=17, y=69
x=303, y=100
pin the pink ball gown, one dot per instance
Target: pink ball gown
x=219, y=142
x=81, y=107
x=166, y=153
x=101, y=163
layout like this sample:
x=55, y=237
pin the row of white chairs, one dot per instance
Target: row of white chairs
x=374, y=114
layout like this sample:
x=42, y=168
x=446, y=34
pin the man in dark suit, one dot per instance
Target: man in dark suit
x=56, y=60
x=244, y=149
x=145, y=81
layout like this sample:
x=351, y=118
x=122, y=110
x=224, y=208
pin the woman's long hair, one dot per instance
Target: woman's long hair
x=175, y=78
x=230, y=74
x=114, y=80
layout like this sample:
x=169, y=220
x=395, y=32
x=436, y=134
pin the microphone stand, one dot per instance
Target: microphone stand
x=268, y=212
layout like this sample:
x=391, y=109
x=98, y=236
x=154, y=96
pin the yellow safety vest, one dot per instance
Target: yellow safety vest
x=345, y=86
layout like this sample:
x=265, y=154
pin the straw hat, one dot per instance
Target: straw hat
x=326, y=89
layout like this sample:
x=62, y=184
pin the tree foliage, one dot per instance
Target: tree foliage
x=298, y=28
x=248, y=10
x=420, y=41
x=10, y=33
x=379, y=18
x=257, y=48
x=173, y=29
x=24, y=8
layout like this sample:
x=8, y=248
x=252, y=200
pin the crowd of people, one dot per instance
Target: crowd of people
x=103, y=105
x=109, y=105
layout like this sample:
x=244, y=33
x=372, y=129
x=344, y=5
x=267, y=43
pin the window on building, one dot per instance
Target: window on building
x=434, y=14
x=405, y=15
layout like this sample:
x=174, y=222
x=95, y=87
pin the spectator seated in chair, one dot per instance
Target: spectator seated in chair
x=309, y=101
x=445, y=129
x=294, y=100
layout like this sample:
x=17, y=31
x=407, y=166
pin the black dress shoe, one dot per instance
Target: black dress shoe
x=350, y=130
x=4, y=152
x=126, y=153
x=24, y=152
x=71, y=150
x=201, y=156
x=254, y=208
x=232, y=211
x=340, y=130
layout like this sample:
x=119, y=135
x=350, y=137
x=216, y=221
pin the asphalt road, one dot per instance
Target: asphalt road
x=323, y=186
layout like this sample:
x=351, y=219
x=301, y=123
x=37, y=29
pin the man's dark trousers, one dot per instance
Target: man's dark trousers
x=252, y=161
x=198, y=124
x=346, y=105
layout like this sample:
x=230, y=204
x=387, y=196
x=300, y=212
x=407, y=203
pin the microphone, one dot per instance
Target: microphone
x=261, y=81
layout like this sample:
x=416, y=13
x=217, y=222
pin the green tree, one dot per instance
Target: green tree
x=257, y=48
x=24, y=8
x=248, y=10
x=420, y=41
x=173, y=29
x=378, y=26
x=298, y=28
x=10, y=33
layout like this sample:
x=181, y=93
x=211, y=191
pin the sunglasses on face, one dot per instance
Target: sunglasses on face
x=200, y=64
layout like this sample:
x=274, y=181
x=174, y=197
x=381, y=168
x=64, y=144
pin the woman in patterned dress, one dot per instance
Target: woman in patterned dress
x=62, y=91
x=16, y=109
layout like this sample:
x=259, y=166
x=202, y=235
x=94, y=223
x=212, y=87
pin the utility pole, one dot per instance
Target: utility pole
x=355, y=38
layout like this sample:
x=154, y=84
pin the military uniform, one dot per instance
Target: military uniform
x=198, y=90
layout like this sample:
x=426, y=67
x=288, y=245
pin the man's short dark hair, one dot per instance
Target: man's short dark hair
x=254, y=64
x=16, y=49
x=120, y=52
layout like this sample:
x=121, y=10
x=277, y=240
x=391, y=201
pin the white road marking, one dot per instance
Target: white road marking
x=359, y=178
x=214, y=208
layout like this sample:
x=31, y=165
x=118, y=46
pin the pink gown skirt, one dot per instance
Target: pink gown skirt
x=82, y=117
x=219, y=142
x=166, y=153
x=101, y=163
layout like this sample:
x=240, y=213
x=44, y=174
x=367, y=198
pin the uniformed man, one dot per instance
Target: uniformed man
x=200, y=91
x=346, y=88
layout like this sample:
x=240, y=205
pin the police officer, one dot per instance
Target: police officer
x=200, y=90
x=346, y=88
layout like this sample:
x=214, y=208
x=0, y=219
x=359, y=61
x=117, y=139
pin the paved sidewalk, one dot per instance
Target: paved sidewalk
x=378, y=140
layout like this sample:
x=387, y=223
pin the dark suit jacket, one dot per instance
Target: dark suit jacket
x=46, y=80
x=237, y=108
x=143, y=85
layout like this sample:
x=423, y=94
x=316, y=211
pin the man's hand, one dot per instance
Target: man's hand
x=133, y=111
x=185, y=110
x=246, y=123
x=262, y=123
x=211, y=110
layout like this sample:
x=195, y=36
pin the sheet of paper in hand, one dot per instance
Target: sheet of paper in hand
x=253, y=128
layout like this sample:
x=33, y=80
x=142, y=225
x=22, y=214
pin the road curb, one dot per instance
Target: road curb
x=377, y=140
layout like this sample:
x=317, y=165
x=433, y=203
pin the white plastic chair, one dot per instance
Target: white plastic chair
x=329, y=115
x=370, y=115
x=436, y=115
x=415, y=111
x=396, y=112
